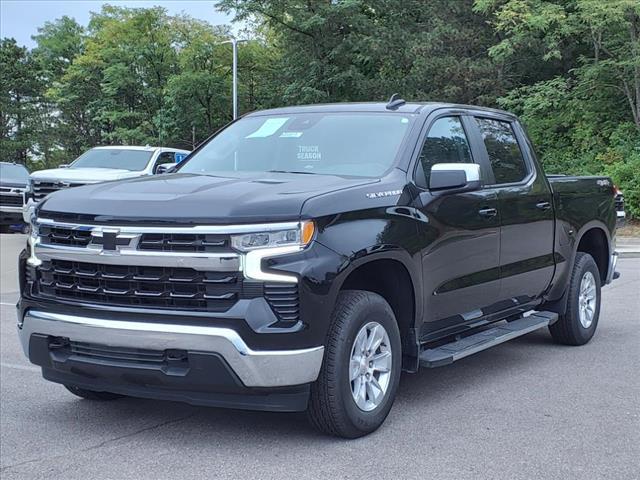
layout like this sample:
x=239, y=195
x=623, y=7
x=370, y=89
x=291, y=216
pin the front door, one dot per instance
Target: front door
x=459, y=235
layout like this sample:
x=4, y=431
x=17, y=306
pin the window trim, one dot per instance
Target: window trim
x=528, y=163
x=424, y=131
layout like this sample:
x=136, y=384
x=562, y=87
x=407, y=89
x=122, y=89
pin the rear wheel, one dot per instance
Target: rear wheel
x=578, y=325
x=361, y=369
x=92, y=395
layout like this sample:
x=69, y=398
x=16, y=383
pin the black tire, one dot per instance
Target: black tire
x=5, y=228
x=332, y=408
x=568, y=330
x=91, y=395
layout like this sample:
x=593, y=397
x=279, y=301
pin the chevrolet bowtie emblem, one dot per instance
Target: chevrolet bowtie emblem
x=110, y=240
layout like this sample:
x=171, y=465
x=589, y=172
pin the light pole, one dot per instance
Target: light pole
x=234, y=44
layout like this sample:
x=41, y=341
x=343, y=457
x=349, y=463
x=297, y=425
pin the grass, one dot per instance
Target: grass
x=631, y=229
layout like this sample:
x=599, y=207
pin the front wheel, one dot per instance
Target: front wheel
x=361, y=370
x=579, y=323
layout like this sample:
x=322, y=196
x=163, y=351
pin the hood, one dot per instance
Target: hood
x=12, y=183
x=83, y=175
x=188, y=198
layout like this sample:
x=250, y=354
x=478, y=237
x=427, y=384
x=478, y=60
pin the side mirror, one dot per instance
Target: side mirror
x=165, y=168
x=455, y=177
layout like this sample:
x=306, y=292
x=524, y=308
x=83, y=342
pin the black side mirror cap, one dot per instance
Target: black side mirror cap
x=165, y=168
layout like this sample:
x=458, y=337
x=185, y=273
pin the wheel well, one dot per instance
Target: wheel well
x=594, y=242
x=391, y=280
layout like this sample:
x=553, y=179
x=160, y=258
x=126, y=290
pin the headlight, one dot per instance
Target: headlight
x=300, y=236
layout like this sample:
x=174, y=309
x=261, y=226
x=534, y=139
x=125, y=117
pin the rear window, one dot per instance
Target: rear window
x=504, y=152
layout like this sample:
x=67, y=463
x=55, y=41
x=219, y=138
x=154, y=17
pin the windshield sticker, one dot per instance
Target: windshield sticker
x=291, y=135
x=309, y=153
x=268, y=128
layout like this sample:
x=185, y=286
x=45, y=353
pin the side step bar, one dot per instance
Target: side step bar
x=450, y=352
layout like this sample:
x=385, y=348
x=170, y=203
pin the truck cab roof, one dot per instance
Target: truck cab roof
x=375, y=107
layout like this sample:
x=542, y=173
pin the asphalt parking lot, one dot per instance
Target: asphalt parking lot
x=525, y=409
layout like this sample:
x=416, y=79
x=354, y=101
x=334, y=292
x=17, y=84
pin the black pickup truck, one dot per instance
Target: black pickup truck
x=303, y=257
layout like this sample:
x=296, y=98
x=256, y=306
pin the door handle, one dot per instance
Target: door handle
x=488, y=212
x=543, y=205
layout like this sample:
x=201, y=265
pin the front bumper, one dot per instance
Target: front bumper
x=10, y=214
x=257, y=374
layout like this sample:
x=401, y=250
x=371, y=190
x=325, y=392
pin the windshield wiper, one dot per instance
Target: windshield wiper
x=290, y=171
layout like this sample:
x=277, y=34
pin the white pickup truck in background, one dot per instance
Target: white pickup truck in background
x=101, y=164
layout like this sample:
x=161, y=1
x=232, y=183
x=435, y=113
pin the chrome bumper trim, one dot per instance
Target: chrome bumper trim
x=255, y=368
x=220, y=262
x=212, y=229
x=10, y=209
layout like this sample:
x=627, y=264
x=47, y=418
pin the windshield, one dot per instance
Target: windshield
x=119, y=158
x=351, y=144
x=13, y=173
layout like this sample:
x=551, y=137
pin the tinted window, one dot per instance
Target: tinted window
x=134, y=160
x=504, y=153
x=358, y=144
x=446, y=142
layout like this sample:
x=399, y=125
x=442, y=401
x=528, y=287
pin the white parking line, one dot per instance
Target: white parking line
x=8, y=304
x=27, y=368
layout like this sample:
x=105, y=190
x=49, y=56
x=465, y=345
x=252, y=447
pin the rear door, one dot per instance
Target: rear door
x=526, y=213
x=458, y=234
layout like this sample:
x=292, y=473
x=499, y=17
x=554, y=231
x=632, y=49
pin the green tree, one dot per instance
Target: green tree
x=19, y=92
x=364, y=50
x=584, y=118
x=62, y=119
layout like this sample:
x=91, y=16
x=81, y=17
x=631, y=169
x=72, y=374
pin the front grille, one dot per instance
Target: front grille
x=11, y=200
x=42, y=188
x=52, y=234
x=184, y=242
x=137, y=286
x=619, y=203
x=104, y=352
x=69, y=237
x=284, y=301
x=63, y=348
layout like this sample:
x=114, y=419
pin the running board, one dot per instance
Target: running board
x=450, y=352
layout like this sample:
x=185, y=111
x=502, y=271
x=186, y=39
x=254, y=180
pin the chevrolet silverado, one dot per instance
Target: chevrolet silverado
x=303, y=257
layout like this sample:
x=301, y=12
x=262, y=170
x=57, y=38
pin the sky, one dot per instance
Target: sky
x=21, y=18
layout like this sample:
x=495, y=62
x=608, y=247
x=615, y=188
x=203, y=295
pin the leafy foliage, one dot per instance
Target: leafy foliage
x=569, y=68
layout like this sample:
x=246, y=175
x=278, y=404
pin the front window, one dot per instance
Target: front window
x=13, y=173
x=118, y=158
x=349, y=144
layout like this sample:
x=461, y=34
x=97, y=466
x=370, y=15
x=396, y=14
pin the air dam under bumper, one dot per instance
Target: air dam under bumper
x=265, y=380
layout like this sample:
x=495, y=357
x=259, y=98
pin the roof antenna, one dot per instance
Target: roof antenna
x=395, y=101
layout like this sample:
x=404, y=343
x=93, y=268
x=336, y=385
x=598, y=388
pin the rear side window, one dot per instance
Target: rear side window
x=504, y=152
x=446, y=142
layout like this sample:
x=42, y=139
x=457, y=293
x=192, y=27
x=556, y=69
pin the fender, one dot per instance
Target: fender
x=558, y=290
x=385, y=252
